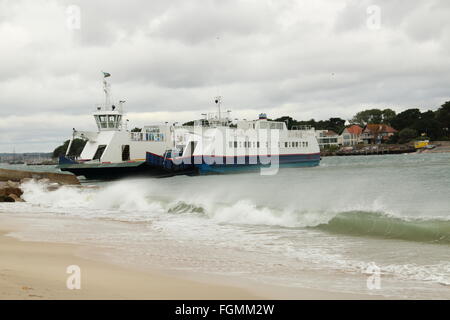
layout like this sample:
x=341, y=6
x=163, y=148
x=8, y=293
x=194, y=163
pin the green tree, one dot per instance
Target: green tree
x=407, y=134
x=394, y=138
x=388, y=115
x=428, y=125
x=370, y=116
x=335, y=124
x=406, y=119
x=443, y=116
x=75, y=149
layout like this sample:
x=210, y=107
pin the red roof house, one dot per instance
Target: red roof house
x=377, y=133
x=351, y=135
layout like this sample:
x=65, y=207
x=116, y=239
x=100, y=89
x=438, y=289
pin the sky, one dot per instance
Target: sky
x=169, y=59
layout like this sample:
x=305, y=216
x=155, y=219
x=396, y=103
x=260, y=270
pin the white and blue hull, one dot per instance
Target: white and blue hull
x=233, y=164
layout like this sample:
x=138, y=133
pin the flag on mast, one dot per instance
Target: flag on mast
x=106, y=74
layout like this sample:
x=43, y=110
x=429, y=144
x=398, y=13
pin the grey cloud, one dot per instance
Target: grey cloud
x=304, y=58
x=213, y=20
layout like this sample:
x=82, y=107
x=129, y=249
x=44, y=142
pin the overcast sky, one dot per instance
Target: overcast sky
x=168, y=59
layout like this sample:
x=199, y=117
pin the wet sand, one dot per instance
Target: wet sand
x=37, y=270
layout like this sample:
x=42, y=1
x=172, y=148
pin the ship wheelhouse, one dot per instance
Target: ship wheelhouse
x=108, y=120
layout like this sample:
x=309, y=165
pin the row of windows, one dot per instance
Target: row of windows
x=250, y=144
x=296, y=144
x=271, y=125
x=144, y=136
x=108, y=121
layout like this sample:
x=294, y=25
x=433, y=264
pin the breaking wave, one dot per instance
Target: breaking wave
x=143, y=201
x=376, y=224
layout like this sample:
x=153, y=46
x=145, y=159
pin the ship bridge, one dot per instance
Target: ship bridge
x=108, y=120
x=108, y=116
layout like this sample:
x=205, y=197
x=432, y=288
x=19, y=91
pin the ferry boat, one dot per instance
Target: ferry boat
x=215, y=144
x=114, y=151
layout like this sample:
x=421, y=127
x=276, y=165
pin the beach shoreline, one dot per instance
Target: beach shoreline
x=37, y=270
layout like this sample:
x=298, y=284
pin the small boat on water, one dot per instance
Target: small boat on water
x=215, y=144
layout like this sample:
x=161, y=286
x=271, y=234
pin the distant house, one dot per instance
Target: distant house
x=327, y=138
x=377, y=133
x=351, y=136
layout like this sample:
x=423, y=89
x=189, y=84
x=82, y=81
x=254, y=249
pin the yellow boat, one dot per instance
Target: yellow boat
x=421, y=144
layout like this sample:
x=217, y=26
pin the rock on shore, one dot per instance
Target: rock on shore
x=18, y=175
x=10, y=181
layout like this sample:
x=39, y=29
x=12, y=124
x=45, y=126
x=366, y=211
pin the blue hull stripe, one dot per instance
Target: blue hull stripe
x=256, y=160
x=294, y=160
x=236, y=163
x=204, y=168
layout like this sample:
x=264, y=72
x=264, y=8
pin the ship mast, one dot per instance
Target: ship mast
x=106, y=89
x=218, y=101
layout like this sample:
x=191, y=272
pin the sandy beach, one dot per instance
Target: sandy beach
x=33, y=270
x=37, y=270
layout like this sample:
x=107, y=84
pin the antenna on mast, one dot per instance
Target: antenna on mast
x=218, y=101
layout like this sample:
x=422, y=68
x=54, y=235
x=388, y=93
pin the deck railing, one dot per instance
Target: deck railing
x=147, y=136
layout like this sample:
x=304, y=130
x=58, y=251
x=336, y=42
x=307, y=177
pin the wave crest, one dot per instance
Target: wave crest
x=375, y=224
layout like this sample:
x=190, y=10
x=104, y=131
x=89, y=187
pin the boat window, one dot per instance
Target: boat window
x=276, y=125
x=98, y=154
x=125, y=152
x=103, y=122
x=111, y=121
x=152, y=129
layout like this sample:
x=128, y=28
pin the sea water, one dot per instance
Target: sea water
x=331, y=227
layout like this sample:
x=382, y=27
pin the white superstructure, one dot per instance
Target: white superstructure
x=113, y=142
x=211, y=144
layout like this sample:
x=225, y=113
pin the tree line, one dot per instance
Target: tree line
x=410, y=124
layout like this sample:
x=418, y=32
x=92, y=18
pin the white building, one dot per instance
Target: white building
x=351, y=136
x=327, y=138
